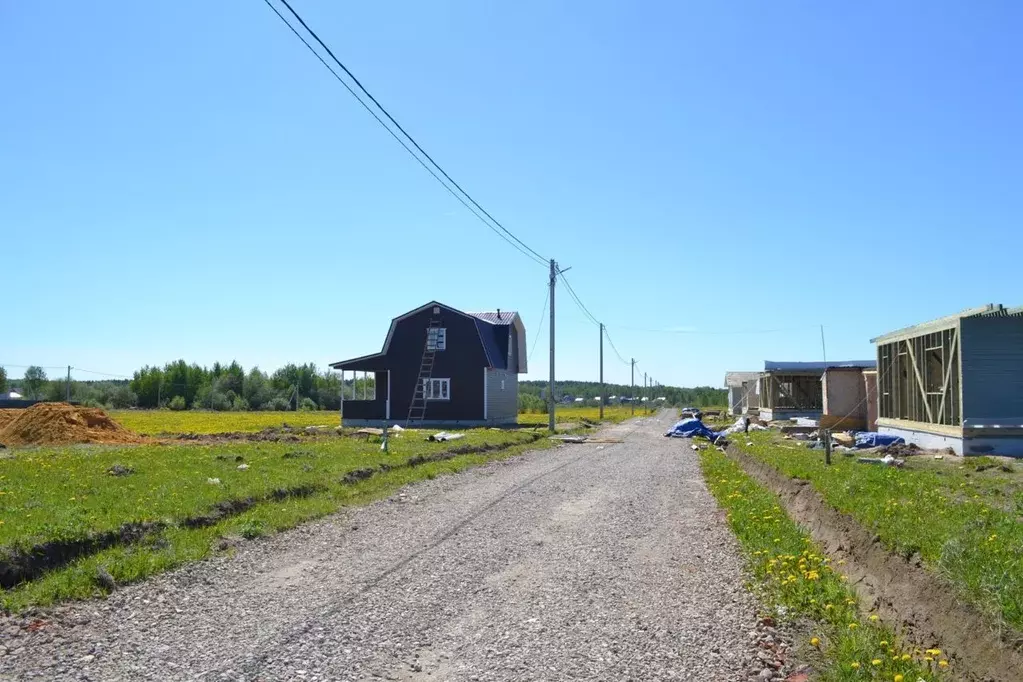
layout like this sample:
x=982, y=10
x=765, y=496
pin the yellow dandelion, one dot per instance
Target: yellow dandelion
x=876, y=661
x=943, y=663
x=873, y=618
x=855, y=665
x=853, y=626
x=814, y=641
x=899, y=678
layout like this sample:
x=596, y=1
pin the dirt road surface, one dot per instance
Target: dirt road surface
x=604, y=562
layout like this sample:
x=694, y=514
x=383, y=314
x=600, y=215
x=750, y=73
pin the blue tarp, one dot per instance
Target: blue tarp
x=870, y=439
x=687, y=428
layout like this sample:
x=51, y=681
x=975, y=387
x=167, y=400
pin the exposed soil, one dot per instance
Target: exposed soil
x=64, y=424
x=273, y=434
x=7, y=416
x=922, y=605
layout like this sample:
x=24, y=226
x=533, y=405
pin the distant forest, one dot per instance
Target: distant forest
x=182, y=386
x=589, y=391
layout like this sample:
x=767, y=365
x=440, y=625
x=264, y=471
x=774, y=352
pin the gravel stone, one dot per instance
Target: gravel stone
x=578, y=562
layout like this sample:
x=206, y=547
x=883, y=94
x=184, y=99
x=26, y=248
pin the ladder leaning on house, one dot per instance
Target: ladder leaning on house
x=417, y=408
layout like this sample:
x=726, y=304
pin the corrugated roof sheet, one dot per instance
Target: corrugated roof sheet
x=989, y=310
x=492, y=317
x=774, y=366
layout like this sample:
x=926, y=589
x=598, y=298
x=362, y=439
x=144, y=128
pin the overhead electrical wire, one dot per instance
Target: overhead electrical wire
x=612, y=343
x=543, y=316
x=500, y=229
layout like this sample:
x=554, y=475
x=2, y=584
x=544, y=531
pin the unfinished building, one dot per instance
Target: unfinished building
x=955, y=382
x=789, y=390
x=742, y=391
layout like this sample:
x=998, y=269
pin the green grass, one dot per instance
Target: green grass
x=965, y=524
x=189, y=421
x=567, y=414
x=151, y=422
x=793, y=572
x=66, y=494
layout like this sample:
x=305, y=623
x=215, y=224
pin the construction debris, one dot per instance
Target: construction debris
x=445, y=436
x=887, y=460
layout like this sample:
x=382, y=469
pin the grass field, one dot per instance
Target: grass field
x=152, y=422
x=170, y=503
x=612, y=413
x=961, y=515
x=792, y=572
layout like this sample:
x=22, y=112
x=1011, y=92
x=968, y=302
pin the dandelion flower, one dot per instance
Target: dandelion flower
x=814, y=641
x=873, y=617
x=853, y=626
x=876, y=661
x=943, y=663
x=899, y=678
x=855, y=665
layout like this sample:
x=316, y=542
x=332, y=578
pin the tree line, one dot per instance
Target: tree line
x=532, y=394
x=179, y=385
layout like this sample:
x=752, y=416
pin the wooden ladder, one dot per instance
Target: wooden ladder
x=417, y=408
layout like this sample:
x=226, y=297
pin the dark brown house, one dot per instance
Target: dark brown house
x=441, y=367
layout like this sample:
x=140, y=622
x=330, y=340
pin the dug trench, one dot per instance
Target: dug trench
x=922, y=605
x=18, y=565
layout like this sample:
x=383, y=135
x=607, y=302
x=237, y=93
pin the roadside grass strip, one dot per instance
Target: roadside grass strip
x=794, y=578
x=963, y=519
x=70, y=518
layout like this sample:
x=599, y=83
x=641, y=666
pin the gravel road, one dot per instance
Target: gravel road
x=585, y=562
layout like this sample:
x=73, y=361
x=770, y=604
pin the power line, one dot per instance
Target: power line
x=546, y=300
x=608, y=337
x=521, y=246
x=716, y=332
x=578, y=301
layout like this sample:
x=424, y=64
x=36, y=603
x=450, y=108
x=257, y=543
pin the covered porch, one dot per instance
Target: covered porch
x=365, y=391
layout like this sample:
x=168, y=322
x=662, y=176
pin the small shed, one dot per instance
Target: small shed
x=955, y=382
x=742, y=391
x=795, y=389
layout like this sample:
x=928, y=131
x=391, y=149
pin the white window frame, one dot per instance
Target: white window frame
x=437, y=338
x=437, y=389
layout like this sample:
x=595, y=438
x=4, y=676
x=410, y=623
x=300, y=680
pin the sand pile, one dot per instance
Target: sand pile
x=7, y=416
x=63, y=424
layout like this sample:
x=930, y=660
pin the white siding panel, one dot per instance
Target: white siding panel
x=502, y=396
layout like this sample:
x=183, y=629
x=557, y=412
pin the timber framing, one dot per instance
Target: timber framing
x=919, y=377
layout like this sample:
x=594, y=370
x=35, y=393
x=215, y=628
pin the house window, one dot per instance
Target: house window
x=437, y=389
x=437, y=338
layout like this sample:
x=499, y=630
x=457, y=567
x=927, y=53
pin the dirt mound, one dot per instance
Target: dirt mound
x=63, y=424
x=7, y=416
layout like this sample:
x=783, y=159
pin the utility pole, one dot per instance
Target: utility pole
x=601, y=371
x=632, y=389
x=69, y=383
x=550, y=387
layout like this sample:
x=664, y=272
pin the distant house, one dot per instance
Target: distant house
x=10, y=395
x=440, y=366
x=955, y=382
x=742, y=391
x=794, y=389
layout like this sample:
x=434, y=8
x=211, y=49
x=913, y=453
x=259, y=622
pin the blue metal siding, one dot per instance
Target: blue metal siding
x=992, y=366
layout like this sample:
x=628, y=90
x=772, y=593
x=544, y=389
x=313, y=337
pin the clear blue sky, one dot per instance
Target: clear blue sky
x=183, y=179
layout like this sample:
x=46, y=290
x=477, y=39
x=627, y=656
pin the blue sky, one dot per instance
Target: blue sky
x=185, y=180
